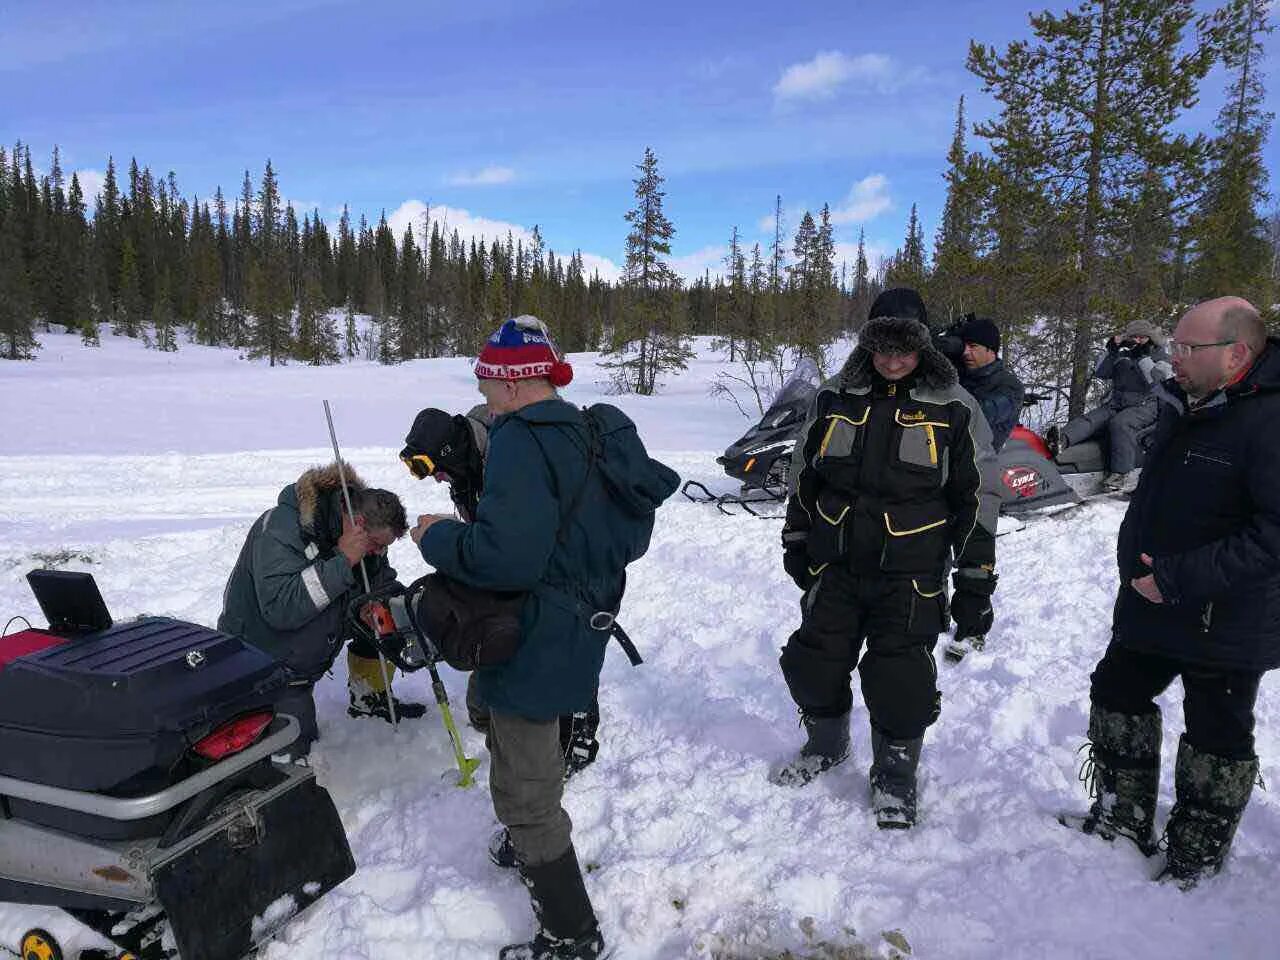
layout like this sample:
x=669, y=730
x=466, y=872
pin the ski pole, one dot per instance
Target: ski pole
x=346, y=496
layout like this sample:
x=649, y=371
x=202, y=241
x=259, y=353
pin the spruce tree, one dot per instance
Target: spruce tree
x=649, y=340
x=270, y=296
x=1231, y=253
x=1095, y=96
x=130, y=315
x=17, y=335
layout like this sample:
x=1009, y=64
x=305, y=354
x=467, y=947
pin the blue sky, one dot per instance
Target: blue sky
x=505, y=112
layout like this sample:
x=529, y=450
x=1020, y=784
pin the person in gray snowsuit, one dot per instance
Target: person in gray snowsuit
x=1135, y=360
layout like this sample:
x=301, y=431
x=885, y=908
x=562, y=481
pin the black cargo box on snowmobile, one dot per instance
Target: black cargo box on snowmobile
x=116, y=712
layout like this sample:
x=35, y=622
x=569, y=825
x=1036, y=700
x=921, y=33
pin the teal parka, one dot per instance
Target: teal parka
x=549, y=524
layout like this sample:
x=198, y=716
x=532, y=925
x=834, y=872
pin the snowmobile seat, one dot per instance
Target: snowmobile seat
x=15, y=645
x=1087, y=457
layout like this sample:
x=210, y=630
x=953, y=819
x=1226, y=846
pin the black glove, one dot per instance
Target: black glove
x=795, y=560
x=971, y=601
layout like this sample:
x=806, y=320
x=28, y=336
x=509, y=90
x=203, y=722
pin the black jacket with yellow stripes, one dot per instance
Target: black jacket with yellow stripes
x=888, y=477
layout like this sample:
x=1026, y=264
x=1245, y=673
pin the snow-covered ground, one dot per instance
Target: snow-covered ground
x=147, y=469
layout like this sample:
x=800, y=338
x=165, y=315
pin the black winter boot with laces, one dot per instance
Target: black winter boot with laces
x=1122, y=776
x=826, y=744
x=1212, y=793
x=567, y=928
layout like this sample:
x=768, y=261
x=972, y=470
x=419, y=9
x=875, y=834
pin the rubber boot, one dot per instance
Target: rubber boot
x=893, y=780
x=1212, y=793
x=567, y=928
x=1122, y=776
x=367, y=691
x=827, y=745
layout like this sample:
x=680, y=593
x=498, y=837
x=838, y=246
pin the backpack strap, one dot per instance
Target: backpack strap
x=605, y=621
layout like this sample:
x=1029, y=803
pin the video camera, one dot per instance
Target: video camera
x=950, y=341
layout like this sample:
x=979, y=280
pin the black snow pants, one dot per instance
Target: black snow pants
x=899, y=620
x=1217, y=704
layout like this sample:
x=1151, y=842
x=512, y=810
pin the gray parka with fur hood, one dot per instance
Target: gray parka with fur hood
x=290, y=586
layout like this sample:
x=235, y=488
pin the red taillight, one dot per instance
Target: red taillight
x=233, y=737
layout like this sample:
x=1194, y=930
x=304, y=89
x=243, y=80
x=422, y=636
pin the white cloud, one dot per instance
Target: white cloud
x=91, y=182
x=693, y=266
x=487, y=177
x=412, y=213
x=827, y=72
x=867, y=199
x=847, y=253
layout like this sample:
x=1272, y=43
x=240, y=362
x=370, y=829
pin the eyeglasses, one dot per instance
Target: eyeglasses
x=1181, y=349
x=420, y=465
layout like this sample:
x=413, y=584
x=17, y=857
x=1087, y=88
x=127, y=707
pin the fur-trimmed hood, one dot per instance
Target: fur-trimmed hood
x=310, y=489
x=898, y=335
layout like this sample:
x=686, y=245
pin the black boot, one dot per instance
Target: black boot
x=567, y=928
x=502, y=852
x=1212, y=792
x=374, y=704
x=578, y=740
x=1122, y=775
x=893, y=780
x=827, y=744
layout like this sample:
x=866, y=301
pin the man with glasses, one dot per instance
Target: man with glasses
x=1135, y=359
x=1199, y=557
x=298, y=570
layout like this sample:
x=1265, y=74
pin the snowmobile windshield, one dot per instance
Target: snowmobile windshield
x=793, y=398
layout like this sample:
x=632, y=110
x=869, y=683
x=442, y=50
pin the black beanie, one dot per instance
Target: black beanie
x=443, y=437
x=901, y=302
x=982, y=331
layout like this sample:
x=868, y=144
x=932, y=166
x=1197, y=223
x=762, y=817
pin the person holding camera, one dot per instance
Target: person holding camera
x=973, y=345
x=1135, y=360
x=451, y=449
x=568, y=501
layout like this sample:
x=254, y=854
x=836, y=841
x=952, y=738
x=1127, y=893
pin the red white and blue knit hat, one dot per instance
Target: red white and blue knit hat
x=521, y=349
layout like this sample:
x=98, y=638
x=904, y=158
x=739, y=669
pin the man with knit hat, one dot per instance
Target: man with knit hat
x=1135, y=360
x=997, y=389
x=451, y=449
x=568, y=501
x=891, y=486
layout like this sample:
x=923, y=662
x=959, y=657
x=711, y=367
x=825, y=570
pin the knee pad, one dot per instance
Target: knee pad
x=817, y=684
x=900, y=691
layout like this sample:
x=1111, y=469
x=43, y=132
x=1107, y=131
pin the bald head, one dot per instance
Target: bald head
x=1215, y=342
x=1234, y=319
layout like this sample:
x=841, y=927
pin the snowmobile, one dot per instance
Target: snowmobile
x=760, y=459
x=1031, y=479
x=141, y=786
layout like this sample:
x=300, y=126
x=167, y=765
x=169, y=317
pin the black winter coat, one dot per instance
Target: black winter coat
x=889, y=478
x=999, y=393
x=1207, y=510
